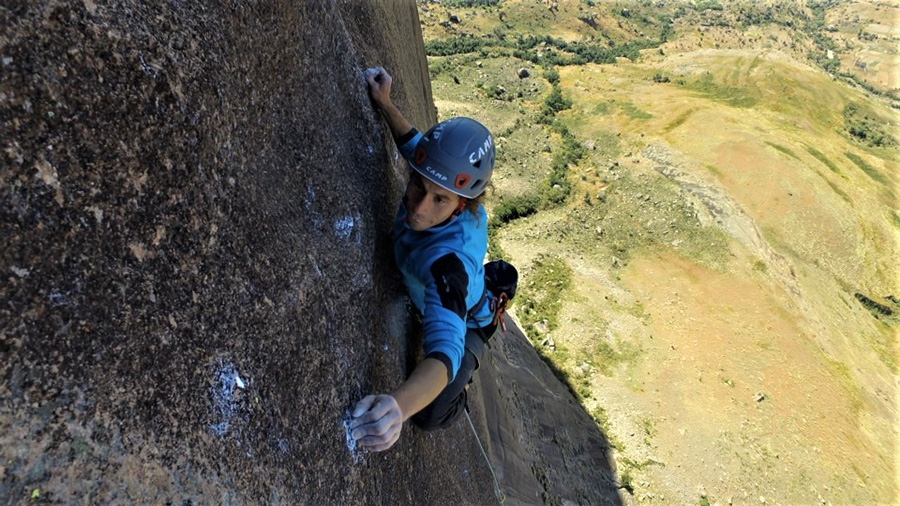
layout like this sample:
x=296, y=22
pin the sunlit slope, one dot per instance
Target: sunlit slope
x=758, y=143
x=870, y=33
x=769, y=132
x=718, y=260
x=711, y=286
x=567, y=19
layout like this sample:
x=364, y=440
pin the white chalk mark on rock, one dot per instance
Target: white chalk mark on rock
x=98, y=213
x=351, y=441
x=58, y=299
x=223, y=394
x=47, y=173
x=395, y=320
x=151, y=69
x=344, y=226
x=317, y=220
x=22, y=273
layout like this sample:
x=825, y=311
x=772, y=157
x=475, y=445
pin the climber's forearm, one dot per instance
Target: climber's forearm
x=398, y=124
x=422, y=387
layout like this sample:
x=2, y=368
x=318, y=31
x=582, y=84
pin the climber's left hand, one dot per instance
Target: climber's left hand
x=377, y=421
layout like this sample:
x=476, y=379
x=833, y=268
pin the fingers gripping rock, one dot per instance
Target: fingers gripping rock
x=376, y=423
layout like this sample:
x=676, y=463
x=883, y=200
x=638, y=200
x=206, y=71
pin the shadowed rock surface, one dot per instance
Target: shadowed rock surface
x=197, y=280
x=545, y=448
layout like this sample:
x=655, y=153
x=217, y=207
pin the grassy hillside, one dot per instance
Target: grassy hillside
x=702, y=199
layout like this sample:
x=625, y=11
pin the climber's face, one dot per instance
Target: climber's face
x=427, y=204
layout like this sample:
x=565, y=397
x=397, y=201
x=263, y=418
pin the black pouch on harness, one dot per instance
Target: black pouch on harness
x=500, y=281
x=500, y=277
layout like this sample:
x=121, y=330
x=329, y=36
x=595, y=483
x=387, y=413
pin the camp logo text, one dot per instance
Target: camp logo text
x=482, y=150
x=437, y=175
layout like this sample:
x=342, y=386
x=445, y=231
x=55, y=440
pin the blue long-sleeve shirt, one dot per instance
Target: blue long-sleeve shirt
x=443, y=269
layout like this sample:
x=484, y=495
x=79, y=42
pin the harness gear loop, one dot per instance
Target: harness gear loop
x=498, y=307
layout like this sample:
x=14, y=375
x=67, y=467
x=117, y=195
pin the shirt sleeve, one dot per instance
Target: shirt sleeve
x=445, y=312
x=407, y=143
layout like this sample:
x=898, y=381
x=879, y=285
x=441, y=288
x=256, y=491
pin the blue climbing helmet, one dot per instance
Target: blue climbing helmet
x=458, y=155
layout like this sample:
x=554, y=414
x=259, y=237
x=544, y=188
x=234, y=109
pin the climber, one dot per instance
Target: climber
x=440, y=242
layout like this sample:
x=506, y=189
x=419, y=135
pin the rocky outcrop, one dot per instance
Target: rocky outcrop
x=196, y=277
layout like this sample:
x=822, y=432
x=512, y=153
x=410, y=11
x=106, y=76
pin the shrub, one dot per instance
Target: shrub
x=451, y=46
x=513, y=208
x=556, y=188
x=555, y=51
x=822, y=158
x=782, y=149
x=549, y=277
x=495, y=252
x=494, y=91
x=708, y=5
x=865, y=127
x=471, y=3
x=870, y=171
x=555, y=101
x=552, y=75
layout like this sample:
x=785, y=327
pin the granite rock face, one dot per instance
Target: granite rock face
x=545, y=448
x=196, y=280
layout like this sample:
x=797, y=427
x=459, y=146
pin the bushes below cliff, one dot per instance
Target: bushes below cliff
x=542, y=50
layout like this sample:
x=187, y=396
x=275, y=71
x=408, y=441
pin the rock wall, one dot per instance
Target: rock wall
x=196, y=280
x=545, y=448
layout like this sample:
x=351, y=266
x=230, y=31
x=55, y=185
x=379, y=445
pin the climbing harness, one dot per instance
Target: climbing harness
x=498, y=307
x=500, y=282
x=497, y=492
x=500, y=278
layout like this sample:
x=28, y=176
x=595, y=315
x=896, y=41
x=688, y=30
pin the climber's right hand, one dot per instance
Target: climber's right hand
x=376, y=423
x=379, y=86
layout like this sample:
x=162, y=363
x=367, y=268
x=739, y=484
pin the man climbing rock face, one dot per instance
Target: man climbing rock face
x=440, y=242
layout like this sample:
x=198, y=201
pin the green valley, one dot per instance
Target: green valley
x=700, y=198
